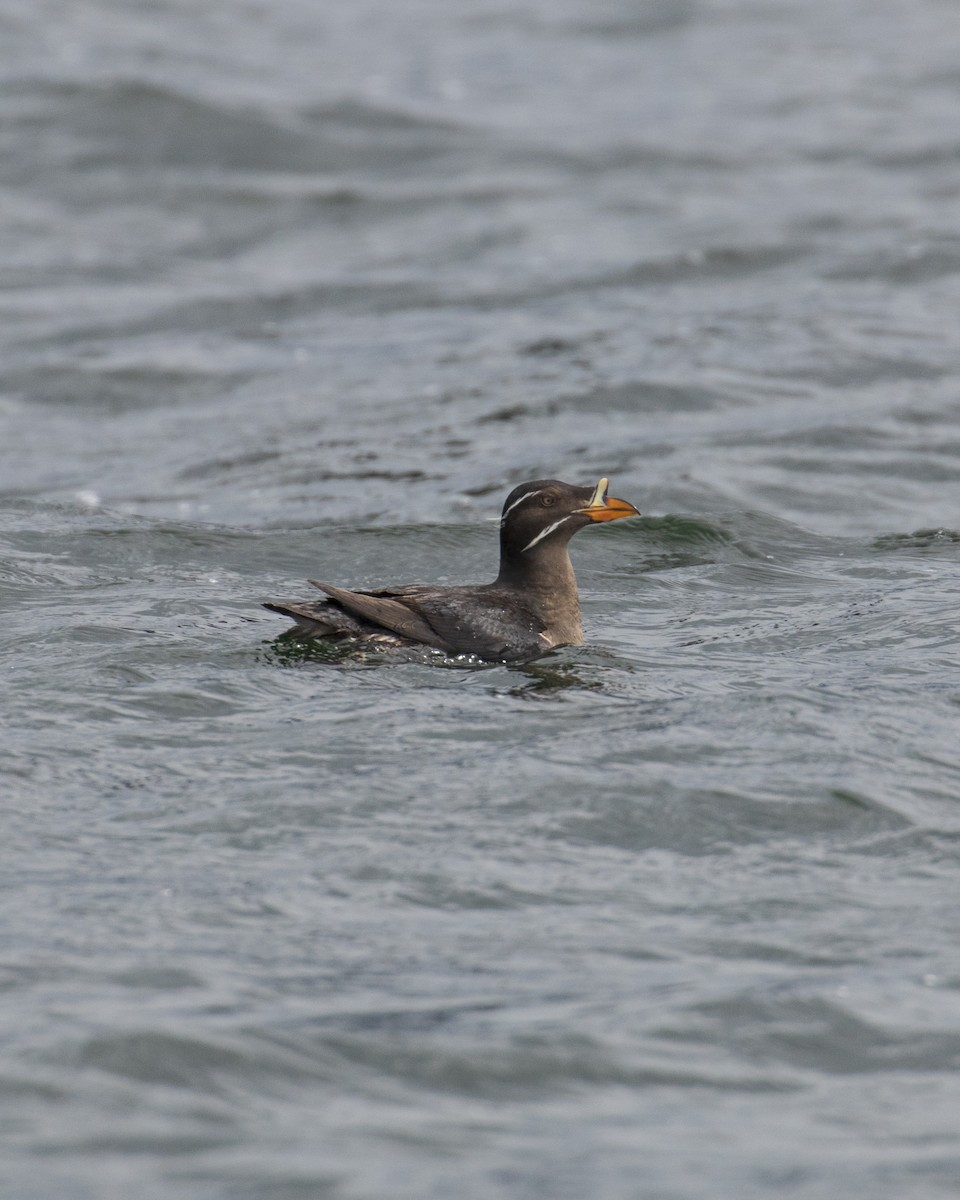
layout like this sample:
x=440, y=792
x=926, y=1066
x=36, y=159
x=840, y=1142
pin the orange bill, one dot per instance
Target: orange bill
x=607, y=508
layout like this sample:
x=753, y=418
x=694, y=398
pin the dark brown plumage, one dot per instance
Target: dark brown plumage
x=529, y=608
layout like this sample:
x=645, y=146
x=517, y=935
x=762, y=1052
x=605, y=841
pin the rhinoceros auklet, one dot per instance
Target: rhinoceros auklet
x=529, y=608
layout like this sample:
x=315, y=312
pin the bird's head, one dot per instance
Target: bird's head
x=547, y=512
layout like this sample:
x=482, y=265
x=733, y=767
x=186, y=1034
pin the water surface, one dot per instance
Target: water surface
x=303, y=292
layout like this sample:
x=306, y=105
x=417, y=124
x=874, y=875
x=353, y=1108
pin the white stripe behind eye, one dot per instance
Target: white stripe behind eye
x=519, y=500
x=545, y=533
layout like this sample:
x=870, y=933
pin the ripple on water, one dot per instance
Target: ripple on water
x=302, y=291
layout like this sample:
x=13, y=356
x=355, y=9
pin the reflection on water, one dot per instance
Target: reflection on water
x=550, y=680
x=546, y=678
x=288, y=651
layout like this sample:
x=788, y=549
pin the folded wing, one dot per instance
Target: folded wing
x=455, y=620
x=383, y=610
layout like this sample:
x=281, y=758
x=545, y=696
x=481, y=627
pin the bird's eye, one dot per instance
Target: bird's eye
x=547, y=500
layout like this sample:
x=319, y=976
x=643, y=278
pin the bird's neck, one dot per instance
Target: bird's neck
x=549, y=589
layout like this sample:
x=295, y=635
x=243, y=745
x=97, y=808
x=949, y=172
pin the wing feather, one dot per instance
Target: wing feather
x=317, y=620
x=391, y=614
x=481, y=624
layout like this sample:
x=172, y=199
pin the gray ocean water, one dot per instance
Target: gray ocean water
x=303, y=290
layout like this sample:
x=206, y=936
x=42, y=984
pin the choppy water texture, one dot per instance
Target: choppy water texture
x=303, y=290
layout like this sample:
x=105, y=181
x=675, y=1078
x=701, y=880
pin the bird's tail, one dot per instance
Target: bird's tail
x=314, y=620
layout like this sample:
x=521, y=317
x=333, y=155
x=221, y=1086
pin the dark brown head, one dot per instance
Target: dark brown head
x=547, y=513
